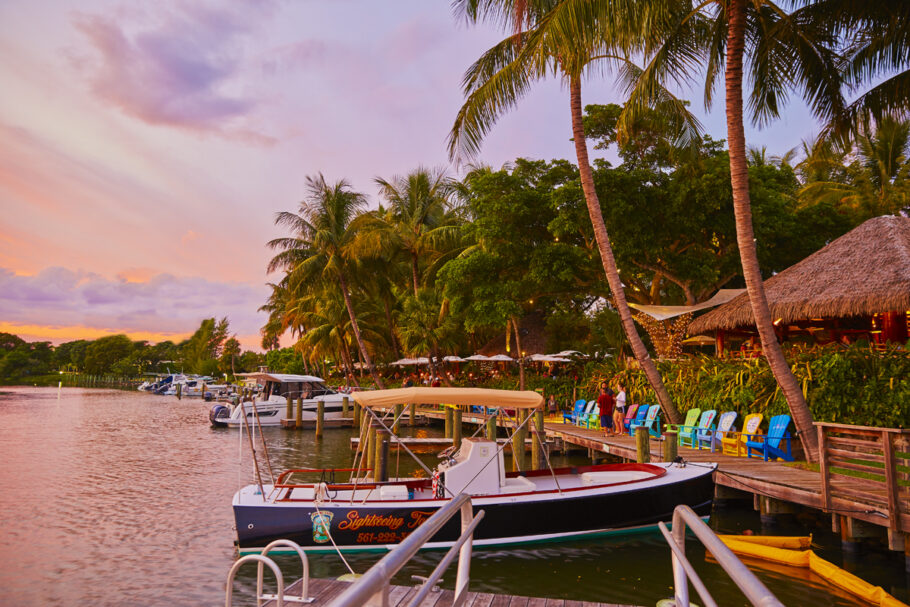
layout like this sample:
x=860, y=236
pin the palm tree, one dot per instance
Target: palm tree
x=558, y=41
x=322, y=249
x=415, y=221
x=784, y=51
x=876, y=182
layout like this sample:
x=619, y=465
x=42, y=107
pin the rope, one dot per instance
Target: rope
x=328, y=532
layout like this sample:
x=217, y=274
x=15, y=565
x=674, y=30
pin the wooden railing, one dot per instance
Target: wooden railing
x=868, y=466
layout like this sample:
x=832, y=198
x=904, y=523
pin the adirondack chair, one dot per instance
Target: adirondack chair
x=691, y=420
x=570, y=417
x=710, y=439
x=639, y=417
x=769, y=444
x=689, y=436
x=586, y=414
x=630, y=415
x=734, y=443
x=593, y=421
x=651, y=422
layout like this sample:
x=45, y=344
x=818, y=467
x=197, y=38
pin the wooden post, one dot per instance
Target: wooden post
x=376, y=447
x=320, y=418
x=179, y=391
x=823, y=469
x=518, y=444
x=412, y=414
x=381, y=471
x=537, y=440
x=491, y=428
x=299, y=421
x=448, y=413
x=671, y=446
x=891, y=486
x=396, y=427
x=356, y=415
x=290, y=413
x=369, y=449
x=642, y=446
x=456, y=428
x=345, y=405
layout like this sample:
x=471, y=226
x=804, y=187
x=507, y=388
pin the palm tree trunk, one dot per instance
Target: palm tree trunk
x=521, y=362
x=739, y=177
x=356, y=328
x=609, y=261
x=414, y=268
x=391, y=327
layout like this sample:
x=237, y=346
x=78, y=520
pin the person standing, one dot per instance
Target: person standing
x=619, y=412
x=606, y=402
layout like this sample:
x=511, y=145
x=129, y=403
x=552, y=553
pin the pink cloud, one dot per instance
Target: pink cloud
x=179, y=72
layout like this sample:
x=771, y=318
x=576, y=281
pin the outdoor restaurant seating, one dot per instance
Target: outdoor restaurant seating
x=769, y=444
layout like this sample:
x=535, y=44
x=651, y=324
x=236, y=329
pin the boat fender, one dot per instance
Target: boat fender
x=438, y=488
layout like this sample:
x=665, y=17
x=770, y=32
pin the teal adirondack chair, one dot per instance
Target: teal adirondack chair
x=576, y=411
x=586, y=414
x=769, y=444
x=640, y=413
x=710, y=439
x=593, y=422
x=691, y=420
x=651, y=422
x=705, y=425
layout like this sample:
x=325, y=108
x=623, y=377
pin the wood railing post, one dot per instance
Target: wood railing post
x=894, y=514
x=823, y=468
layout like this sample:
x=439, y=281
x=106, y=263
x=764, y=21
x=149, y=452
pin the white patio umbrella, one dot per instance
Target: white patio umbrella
x=477, y=357
x=501, y=358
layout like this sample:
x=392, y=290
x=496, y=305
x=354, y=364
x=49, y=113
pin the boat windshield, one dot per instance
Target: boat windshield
x=297, y=389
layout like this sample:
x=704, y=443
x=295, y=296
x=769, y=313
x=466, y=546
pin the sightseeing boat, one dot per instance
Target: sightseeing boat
x=360, y=513
x=271, y=406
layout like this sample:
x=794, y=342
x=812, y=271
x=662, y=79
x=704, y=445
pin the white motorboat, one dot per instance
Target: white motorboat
x=271, y=406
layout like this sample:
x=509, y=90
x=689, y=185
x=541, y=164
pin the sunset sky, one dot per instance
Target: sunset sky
x=146, y=147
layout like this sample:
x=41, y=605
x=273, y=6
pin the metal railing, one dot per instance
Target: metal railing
x=373, y=587
x=262, y=561
x=683, y=572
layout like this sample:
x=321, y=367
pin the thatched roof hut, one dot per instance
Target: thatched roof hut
x=864, y=272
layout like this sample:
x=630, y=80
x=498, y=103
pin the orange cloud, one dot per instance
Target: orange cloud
x=136, y=274
x=59, y=334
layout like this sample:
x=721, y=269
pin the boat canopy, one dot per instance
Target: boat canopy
x=281, y=377
x=510, y=399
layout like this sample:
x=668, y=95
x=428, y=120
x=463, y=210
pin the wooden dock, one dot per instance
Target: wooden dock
x=324, y=591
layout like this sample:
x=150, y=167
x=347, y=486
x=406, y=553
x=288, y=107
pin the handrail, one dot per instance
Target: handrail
x=263, y=560
x=683, y=516
x=376, y=580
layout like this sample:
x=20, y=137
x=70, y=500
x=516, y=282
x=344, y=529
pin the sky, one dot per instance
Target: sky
x=145, y=147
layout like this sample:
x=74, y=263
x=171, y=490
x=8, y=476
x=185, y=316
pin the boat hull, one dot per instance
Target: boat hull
x=507, y=519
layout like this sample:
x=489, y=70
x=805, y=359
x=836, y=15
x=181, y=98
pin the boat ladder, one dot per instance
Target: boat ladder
x=373, y=587
x=683, y=572
x=262, y=561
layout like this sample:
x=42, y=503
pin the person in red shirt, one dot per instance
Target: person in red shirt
x=606, y=402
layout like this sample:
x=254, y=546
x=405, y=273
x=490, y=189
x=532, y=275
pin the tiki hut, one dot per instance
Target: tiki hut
x=856, y=287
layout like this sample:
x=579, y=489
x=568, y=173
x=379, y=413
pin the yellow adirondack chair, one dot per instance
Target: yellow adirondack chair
x=734, y=443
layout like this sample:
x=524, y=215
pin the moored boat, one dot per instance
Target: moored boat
x=534, y=506
x=271, y=406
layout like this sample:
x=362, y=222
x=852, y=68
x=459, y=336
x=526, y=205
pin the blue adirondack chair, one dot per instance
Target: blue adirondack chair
x=639, y=417
x=769, y=444
x=651, y=422
x=573, y=415
x=710, y=439
x=689, y=437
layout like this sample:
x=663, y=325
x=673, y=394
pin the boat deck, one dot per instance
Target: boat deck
x=325, y=591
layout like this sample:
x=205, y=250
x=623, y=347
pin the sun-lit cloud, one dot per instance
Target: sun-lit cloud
x=67, y=304
x=59, y=334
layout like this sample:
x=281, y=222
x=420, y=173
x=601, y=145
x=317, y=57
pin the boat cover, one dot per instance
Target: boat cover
x=510, y=399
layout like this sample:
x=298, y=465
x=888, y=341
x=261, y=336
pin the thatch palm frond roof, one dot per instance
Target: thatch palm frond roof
x=865, y=271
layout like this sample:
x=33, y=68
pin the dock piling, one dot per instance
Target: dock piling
x=671, y=446
x=456, y=428
x=320, y=418
x=356, y=415
x=491, y=428
x=448, y=426
x=642, y=446
x=396, y=427
x=412, y=414
x=381, y=466
x=345, y=405
x=290, y=411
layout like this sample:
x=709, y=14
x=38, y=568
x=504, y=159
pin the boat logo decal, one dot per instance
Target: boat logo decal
x=321, y=522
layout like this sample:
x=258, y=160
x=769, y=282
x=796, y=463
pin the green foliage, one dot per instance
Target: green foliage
x=205, y=345
x=855, y=385
x=102, y=354
x=285, y=360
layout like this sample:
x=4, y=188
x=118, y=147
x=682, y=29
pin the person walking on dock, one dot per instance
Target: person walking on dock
x=606, y=402
x=619, y=412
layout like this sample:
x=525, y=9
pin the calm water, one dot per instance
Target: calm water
x=110, y=497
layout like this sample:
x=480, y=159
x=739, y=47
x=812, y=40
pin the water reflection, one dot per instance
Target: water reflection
x=109, y=497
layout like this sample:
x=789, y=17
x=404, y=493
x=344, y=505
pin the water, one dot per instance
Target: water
x=111, y=497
